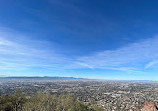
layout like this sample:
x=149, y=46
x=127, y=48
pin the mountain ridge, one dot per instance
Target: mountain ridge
x=43, y=77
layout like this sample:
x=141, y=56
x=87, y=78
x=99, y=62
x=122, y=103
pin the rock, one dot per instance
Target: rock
x=150, y=106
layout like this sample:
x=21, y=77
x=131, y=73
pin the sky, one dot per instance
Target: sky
x=96, y=39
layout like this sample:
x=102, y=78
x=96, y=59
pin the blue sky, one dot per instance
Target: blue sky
x=105, y=39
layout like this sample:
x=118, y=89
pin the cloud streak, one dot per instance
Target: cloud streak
x=151, y=64
x=19, y=54
x=24, y=53
x=133, y=55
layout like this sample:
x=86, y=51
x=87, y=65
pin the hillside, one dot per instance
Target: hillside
x=43, y=102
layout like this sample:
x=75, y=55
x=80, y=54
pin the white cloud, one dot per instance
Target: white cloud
x=152, y=63
x=133, y=55
x=24, y=53
x=21, y=53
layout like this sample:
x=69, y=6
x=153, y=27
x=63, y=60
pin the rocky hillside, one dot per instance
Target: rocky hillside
x=149, y=106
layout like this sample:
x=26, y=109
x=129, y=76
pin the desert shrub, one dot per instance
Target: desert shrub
x=42, y=102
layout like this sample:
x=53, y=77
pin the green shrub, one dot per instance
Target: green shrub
x=42, y=102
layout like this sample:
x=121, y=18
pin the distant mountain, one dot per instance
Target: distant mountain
x=45, y=77
x=3, y=76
